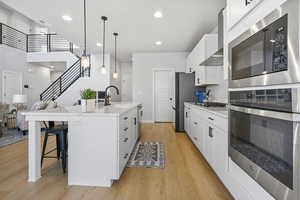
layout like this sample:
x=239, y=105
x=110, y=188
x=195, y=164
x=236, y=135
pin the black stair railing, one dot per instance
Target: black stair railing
x=62, y=83
x=46, y=43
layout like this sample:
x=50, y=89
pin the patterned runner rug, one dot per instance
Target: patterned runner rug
x=147, y=155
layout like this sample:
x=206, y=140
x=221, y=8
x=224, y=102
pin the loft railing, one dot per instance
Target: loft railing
x=46, y=43
x=35, y=42
x=62, y=83
x=13, y=37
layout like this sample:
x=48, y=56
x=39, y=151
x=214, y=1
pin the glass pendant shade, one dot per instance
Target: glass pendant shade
x=103, y=70
x=115, y=75
x=85, y=61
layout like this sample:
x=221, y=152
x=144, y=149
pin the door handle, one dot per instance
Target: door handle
x=125, y=129
x=196, y=123
x=126, y=155
x=195, y=138
x=210, y=132
x=125, y=118
x=212, y=119
x=135, y=121
x=126, y=139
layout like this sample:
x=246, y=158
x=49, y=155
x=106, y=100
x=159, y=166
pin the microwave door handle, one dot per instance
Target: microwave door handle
x=266, y=113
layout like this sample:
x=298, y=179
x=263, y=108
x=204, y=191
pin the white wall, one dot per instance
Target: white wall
x=142, y=79
x=3, y=15
x=66, y=57
x=55, y=75
x=115, y=82
x=12, y=59
x=126, y=69
x=97, y=81
x=219, y=93
x=19, y=21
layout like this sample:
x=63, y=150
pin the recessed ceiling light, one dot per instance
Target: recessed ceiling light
x=67, y=18
x=99, y=44
x=158, y=14
x=158, y=43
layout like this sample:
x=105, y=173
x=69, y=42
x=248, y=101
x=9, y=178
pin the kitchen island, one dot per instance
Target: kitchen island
x=99, y=142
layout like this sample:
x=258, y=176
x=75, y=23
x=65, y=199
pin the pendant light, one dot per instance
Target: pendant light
x=115, y=74
x=103, y=68
x=85, y=59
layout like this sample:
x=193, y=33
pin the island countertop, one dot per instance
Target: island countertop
x=116, y=109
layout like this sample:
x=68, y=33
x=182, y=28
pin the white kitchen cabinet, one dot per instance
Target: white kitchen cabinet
x=189, y=65
x=209, y=132
x=205, y=75
x=127, y=137
x=205, y=48
x=218, y=150
x=197, y=124
x=187, y=119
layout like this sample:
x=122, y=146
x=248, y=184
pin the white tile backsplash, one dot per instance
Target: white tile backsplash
x=219, y=93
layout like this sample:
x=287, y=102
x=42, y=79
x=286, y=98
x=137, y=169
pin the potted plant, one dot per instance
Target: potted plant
x=88, y=100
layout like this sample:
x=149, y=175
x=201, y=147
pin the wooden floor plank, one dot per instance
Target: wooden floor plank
x=187, y=176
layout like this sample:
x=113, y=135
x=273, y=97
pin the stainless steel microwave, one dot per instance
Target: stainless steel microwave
x=267, y=53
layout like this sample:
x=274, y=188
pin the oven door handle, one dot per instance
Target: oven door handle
x=267, y=113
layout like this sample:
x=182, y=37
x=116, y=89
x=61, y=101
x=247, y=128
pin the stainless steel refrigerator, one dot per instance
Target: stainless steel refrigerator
x=184, y=92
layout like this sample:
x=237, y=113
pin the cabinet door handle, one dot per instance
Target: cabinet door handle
x=210, y=132
x=190, y=69
x=196, y=123
x=126, y=156
x=125, y=118
x=135, y=121
x=126, y=139
x=198, y=80
x=186, y=114
x=125, y=129
x=195, y=138
x=212, y=119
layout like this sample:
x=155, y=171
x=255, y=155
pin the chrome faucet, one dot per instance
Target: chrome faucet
x=106, y=99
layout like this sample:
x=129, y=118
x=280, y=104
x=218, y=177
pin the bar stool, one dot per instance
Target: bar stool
x=60, y=132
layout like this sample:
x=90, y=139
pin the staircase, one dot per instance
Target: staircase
x=33, y=43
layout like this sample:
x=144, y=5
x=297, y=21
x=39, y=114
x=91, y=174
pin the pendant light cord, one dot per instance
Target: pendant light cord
x=84, y=52
x=115, y=34
x=103, y=56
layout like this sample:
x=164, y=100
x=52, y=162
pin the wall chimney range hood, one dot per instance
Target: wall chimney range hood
x=217, y=58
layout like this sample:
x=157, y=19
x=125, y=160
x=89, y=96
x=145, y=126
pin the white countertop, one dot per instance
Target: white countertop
x=115, y=109
x=220, y=111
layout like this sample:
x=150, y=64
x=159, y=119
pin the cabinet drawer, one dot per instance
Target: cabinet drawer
x=217, y=121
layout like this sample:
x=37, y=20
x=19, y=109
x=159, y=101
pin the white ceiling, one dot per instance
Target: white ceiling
x=183, y=24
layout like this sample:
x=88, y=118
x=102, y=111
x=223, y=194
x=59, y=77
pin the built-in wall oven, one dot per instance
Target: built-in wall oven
x=264, y=138
x=267, y=53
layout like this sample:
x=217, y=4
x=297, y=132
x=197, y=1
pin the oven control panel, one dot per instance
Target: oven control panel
x=270, y=99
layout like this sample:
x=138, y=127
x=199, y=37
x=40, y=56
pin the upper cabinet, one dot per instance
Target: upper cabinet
x=204, y=75
x=238, y=9
x=205, y=48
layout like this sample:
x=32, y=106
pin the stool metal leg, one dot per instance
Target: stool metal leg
x=58, y=146
x=44, y=148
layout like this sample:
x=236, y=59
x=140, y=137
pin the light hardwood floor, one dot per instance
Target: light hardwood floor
x=187, y=175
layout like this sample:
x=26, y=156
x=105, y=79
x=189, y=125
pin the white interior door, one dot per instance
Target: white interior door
x=163, y=95
x=12, y=84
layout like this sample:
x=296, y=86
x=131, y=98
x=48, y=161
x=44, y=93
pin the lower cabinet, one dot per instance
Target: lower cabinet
x=128, y=135
x=210, y=139
x=187, y=119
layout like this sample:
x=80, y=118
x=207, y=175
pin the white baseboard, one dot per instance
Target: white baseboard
x=147, y=121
